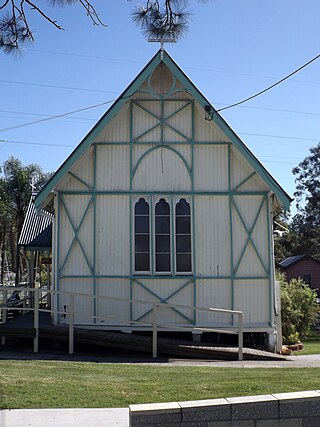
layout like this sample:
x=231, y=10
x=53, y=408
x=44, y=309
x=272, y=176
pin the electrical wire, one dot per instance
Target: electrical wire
x=56, y=117
x=57, y=86
x=47, y=144
x=272, y=86
x=279, y=136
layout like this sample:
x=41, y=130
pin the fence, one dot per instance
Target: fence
x=33, y=297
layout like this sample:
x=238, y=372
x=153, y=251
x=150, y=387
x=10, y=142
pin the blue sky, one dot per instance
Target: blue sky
x=232, y=50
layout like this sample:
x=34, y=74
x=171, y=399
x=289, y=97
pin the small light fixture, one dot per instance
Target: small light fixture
x=208, y=112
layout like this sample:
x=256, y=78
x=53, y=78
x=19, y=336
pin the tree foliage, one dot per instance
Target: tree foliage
x=16, y=186
x=15, y=30
x=160, y=19
x=304, y=229
x=166, y=20
x=298, y=309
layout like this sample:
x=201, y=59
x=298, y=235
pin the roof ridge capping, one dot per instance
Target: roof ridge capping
x=163, y=56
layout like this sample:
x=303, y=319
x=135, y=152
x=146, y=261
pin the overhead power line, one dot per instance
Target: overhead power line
x=57, y=86
x=56, y=117
x=279, y=136
x=272, y=86
x=47, y=144
x=105, y=58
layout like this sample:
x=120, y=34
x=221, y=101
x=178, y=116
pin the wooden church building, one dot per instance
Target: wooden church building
x=163, y=202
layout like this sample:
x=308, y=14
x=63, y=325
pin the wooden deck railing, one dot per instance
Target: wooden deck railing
x=32, y=301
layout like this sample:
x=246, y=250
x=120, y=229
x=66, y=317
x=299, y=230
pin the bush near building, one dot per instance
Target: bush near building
x=299, y=309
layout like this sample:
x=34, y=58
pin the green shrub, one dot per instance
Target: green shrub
x=298, y=309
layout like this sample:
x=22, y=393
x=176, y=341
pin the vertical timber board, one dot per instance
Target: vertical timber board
x=193, y=213
x=94, y=261
x=231, y=230
x=131, y=211
x=271, y=258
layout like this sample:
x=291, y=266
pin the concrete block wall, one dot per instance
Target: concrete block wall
x=274, y=410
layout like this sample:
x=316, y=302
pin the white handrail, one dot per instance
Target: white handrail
x=154, y=324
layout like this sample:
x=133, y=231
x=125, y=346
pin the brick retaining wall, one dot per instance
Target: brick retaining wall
x=274, y=410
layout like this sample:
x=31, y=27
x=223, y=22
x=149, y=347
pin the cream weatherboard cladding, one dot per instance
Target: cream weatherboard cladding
x=157, y=144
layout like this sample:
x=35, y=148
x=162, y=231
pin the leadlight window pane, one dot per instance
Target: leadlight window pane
x=162, y=224
x=142, y=243
x=183, y=237
x=163, y=243
x=183, y=243
x=183, y=226
x=162, y=236
x=163, y=263
x=141, y=224
x=142, y=262
x=141, y=236
x=162, y=208
x=183, y=262
x=183, y=208
x=141, y=207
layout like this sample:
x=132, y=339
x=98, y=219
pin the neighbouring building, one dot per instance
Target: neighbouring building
x=305, y=267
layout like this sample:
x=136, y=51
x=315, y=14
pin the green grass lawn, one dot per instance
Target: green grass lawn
x=311, y=344
x=56, y=384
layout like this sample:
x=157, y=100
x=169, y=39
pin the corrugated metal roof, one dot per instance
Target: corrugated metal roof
x=291, y=260
x=37, y=229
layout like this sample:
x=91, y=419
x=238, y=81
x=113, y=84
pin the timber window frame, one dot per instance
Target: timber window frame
x=169, y=236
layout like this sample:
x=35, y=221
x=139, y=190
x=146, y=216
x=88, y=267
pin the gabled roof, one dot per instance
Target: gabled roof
x=160, y=56
x=36, y=232
x=288, y=262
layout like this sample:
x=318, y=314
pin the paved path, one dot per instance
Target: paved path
x=65, y=418
x=312, y=361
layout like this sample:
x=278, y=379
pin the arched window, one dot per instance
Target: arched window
x=162, y=237
x=141, y=236
x=183, y=237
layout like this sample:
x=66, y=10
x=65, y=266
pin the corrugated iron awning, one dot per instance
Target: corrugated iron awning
x=37, y=228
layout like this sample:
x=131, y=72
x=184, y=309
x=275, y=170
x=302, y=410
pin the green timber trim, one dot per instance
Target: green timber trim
x=94, y=243
x=231, y=231
x=164, y=300
x=244, y=181
x=131, y=213
x=90, y=137
x=188, y=86
x=80, y=180
x=162, y=277
x=76, y=234
x=173, y=235
x=249, y=232
x=231, y=135
x=194, y=257
x=208, y=143
x=271, y=260
x=166, y=147
x=158, y=193
x=57, y=272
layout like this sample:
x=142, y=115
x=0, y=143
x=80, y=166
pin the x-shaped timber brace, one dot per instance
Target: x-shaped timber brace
x=164, y=300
